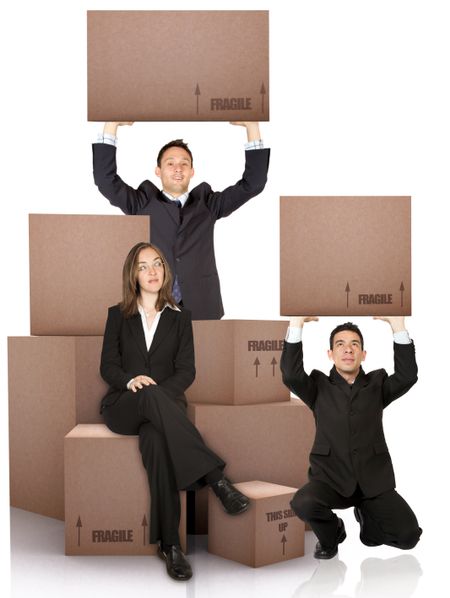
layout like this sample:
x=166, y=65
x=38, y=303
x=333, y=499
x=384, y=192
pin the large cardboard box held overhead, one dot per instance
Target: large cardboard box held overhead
x=268, y=442
x=345, y=256
x=238, y=362
x=107, y=496
x=178, y=65
x=76, y=269
x=54, y=383
x=268, y=532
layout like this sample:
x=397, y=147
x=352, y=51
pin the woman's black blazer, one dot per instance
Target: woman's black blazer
x=169, y=361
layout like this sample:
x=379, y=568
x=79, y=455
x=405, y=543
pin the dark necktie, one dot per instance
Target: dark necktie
x=176, y=290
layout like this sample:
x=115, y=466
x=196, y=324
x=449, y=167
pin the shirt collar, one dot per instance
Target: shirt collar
x=142, y=312
x=338, y=379
x=182, y=198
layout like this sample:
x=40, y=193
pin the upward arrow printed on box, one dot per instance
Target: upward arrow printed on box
x=79, y=526
x=256, y=363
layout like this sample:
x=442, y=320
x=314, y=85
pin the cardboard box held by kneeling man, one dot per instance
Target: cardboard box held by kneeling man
x=238, y=362
x=54, y=384
x=107, y=496
x=345, y=256
x=268, y=532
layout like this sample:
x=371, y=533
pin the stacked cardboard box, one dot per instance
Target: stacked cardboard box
x=106, y=494
x=268, y=532
x=62, y=387
x=237, y=362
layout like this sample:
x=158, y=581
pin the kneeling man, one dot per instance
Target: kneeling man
x=350, y=464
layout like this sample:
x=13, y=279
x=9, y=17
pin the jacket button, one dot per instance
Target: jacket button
x=352, y=412
x=354, y=451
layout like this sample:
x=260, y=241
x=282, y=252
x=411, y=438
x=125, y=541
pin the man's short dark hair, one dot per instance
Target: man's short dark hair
x=347, y=326
x=174, y=143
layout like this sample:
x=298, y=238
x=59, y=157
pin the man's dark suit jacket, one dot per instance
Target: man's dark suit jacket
x=169, y=361
x=186, y=237
x=349, y=447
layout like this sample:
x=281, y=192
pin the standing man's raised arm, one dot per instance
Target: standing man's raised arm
x=109, y=183
x=110, y=131
x=254, y=178
x=253, y=133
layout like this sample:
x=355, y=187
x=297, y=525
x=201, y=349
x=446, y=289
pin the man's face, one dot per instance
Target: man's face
x=176, y=171
x=347, y=352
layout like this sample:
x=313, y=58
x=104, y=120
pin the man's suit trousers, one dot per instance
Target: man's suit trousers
x=173, y=452
x=387, y=518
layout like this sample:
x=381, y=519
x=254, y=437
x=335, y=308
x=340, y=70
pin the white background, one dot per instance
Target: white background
x=359, y=97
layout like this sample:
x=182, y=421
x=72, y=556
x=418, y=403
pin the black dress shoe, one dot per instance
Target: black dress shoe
x=176, y=563
x=321, y=552
x=360, y=519
x=233, y=501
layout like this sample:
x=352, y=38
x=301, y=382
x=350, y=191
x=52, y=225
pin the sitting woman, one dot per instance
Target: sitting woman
x=148, y=362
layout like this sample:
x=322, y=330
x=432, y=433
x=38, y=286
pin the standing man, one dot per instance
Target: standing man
x=182, y=221
x=350, y=465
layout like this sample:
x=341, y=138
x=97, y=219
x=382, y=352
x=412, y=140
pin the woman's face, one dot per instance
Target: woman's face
x=150, y=271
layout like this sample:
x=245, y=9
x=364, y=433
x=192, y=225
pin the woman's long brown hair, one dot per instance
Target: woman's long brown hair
x=130, y=285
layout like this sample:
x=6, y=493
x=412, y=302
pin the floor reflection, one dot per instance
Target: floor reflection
x=325, y=581
x=396, y=577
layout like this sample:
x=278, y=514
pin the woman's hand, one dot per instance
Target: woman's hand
x=139, y=382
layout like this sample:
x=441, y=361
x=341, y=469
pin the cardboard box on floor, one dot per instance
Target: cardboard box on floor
x=107, y=498
x=268, y=442
x=237, y=362
x=76, y=269
x=54, y=383
x=345, y=256
x=268, y=532
x=218, y=69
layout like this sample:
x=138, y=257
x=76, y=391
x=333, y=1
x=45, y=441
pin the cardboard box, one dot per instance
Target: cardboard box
x=76, y=269
x=345, y=256
x=106, y=494
x=269, y=532
x=54, y=383
x=178, y=65
x=237, y=362
x=268, y=442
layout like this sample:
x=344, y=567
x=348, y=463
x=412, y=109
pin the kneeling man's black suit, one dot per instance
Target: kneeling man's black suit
x=350, y=463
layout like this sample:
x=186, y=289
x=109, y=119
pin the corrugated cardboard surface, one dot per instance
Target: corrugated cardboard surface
x=237, y=362
x=345, y=256
x=269, y=532
x=178, y=65
x=107, y=498
x=90, y=386
x=39, y=369
x=54, y=383
x=76, y=269
x=268, y=442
